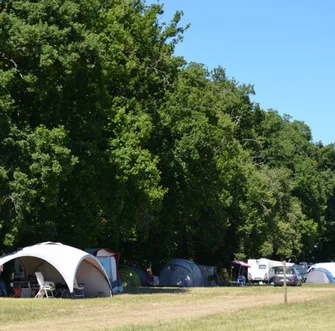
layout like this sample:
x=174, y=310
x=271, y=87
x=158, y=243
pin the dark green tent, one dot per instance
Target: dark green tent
x=131, y=276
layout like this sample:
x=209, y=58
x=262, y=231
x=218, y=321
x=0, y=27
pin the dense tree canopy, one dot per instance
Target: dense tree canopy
x=109, y=139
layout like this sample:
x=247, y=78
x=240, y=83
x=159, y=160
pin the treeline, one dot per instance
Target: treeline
x=107, y=139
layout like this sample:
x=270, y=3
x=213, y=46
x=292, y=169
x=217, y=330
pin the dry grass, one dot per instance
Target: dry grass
x=249, y=308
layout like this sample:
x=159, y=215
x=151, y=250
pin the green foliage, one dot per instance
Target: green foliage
x=37, y=162
x=108, y=139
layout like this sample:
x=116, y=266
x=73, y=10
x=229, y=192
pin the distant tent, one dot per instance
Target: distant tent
x=109, y=260
x=210, y=275
x=320, y=276
x=131, y=276
x=180, y=272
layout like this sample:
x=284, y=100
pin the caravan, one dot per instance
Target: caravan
x=261, y=270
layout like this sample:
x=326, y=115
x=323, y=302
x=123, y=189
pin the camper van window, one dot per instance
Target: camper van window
x=262, y=266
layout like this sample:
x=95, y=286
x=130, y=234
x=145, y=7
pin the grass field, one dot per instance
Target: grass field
x=221, y=308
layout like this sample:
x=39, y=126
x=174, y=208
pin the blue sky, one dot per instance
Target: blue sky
x=285, y=48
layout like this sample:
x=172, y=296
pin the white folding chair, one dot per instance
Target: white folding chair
x=46, y=288
x=78, y=289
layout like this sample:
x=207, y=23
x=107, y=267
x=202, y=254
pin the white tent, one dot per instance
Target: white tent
x=63, y=264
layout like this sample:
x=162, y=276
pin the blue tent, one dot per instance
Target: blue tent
x=180, y=272
x=320, y=276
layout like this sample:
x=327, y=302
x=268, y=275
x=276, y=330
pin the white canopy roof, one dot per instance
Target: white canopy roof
x=69, y=262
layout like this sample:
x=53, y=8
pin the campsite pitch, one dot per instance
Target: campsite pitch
x=220, y=308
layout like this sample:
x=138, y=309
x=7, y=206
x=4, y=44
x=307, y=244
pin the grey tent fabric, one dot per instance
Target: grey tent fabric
x=319, y=276
x=210, y=275
x=180, y=272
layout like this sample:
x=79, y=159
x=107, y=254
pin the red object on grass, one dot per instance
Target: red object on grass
x=17, y=292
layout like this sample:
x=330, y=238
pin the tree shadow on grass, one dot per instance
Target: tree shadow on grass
x=154, y=290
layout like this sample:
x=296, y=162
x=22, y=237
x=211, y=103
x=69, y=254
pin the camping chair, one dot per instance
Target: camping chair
x=78, y=289
x=46, y=288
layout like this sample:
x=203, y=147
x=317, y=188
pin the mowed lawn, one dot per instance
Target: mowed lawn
x=221, y=308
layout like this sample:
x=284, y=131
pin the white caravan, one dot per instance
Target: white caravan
x=261, y=270
x=330, y=266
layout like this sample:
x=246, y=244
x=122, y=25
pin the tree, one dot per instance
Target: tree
x=85, y=77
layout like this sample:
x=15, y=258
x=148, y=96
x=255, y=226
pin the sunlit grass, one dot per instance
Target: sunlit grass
x=316, y=309
x=311, y=315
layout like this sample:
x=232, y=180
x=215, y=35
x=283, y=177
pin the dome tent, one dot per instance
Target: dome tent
x=319, y=276
x=180, y=272
x=63, y=264
x=131, y=276
x=210, y=275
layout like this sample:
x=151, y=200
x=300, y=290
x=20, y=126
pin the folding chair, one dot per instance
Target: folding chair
x=78, y=289
x=46, y=288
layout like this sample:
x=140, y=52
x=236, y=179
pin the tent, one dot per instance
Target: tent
x=180, y=272
x=209, y=274
x=131, y=276
x=109, y=261
x=64, y=265
x=320, y=276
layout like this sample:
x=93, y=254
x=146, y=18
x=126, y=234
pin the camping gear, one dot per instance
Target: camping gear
x=319, y=276
x=78, y=289
x=329, y=266
x=16, y=291
x=241, y=279
x=242, y=263
x=302, y=267
x=152, y=280
x=209, y=274
x=132, y=276
x=46, y=288
x=109, y=261
x=180, y=272
x=62, y=264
